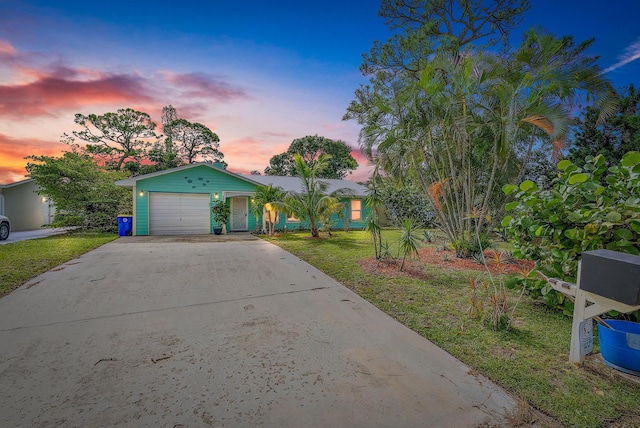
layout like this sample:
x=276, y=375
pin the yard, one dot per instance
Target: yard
x=433, y=299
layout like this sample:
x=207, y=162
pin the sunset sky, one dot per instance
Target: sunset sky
x=258, y=73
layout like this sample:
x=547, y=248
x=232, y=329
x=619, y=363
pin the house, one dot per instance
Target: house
x=26, y=209
x=178, y=201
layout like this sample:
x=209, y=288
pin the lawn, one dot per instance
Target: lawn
x=530, y=360
x=20, y=261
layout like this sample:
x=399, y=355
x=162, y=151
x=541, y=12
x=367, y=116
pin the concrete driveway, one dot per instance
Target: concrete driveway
x=182, y=333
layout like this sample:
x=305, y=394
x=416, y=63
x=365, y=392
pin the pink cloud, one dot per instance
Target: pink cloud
x=361, y=175
x=279, y=135
x=246, y=154
x=193, y=112
x=359, y=156
x=44, y=90
x=11, y=174
x=28, y=146
x=6, y=48
x=10, y=57
x=50, y=93
x=248, y=147
x=14, y=150
x=201, y=85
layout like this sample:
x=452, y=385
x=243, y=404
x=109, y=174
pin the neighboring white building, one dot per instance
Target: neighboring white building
x=26, y=209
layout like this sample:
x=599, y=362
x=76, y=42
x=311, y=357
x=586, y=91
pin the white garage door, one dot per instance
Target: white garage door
x=178, y=214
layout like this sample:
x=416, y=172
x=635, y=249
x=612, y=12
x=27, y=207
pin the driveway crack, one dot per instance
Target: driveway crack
x=238, y=299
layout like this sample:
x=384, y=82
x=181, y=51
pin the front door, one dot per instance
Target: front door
x=239, y=213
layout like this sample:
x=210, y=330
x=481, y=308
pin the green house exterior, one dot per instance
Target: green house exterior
x=178, y=201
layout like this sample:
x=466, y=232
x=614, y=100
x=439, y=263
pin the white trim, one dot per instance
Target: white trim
x=359, y=210
x=134, y=225
x=245, y=211
x=231, y=193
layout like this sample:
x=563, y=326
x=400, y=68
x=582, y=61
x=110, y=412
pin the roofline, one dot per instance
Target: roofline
x=355, y=193
x=131, y=181
x=17, y=183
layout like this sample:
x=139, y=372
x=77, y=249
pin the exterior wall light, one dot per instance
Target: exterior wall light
x=216, y=195
x=141, y=193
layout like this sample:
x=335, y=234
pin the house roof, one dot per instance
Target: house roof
x=294, y=184
x=17, y=183
x=288, y=184
x=131, y=181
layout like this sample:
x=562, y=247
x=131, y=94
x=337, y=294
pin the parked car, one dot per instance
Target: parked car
x=5, y=227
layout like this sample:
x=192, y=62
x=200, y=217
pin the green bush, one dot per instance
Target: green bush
x=221, y=212
x=83, y=190
x=585, y=209
x=471, y=246
x=407, y=202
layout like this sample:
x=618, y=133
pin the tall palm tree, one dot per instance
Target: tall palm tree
x=458, y=131
x=534, y=97
x=312, y=203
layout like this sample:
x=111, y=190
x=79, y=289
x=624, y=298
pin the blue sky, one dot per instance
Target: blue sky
x=260, y=74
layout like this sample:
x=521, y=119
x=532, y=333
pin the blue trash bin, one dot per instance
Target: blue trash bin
x=125, y=225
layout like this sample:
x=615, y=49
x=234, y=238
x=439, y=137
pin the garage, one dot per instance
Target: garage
x=179, y=213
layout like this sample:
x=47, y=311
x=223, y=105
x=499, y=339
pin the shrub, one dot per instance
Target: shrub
x=585, y=209
x=407, y=203
x=81, y=189
x=221, y=212
x=408, y=241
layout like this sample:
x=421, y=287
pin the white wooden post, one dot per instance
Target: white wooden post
x=581, y=314
x=575, y=356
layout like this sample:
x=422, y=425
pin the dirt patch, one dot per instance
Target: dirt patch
x=496, y=262
x=411, y=268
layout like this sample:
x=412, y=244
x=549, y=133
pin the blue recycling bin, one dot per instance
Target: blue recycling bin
x=125, y=225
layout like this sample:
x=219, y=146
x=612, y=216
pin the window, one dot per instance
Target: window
x=356, y=210
x=293, y=218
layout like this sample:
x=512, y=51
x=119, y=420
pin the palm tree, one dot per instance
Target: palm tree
x=312, y=204
x=374, y=201
x=532, y=99
x=460, y=132
x=263, y=198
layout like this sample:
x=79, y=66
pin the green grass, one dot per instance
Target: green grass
x=20, y=261
x=530, y=360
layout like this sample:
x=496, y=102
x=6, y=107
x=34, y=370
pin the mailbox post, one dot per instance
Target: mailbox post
x=610, y=281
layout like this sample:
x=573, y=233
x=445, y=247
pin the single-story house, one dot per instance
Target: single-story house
x=26, y=209
x=178, y=201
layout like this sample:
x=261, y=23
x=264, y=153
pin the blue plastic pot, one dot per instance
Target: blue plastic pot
x=620, y=345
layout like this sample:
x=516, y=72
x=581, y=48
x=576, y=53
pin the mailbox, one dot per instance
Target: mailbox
x=610, y=281
x=613, y=275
